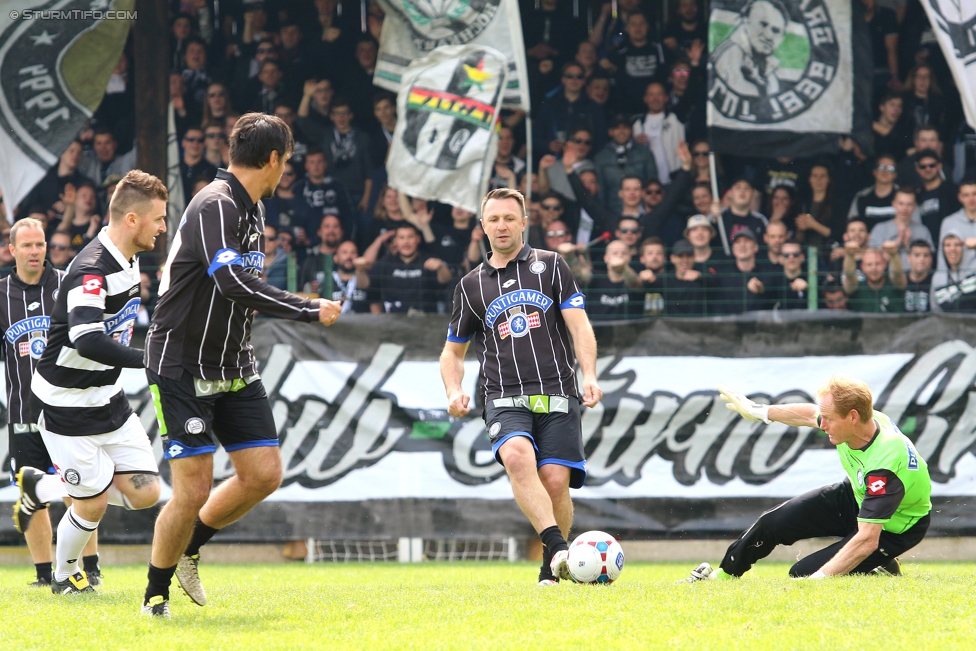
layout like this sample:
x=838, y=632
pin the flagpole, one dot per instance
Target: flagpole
x=528, y=157
x=713, y=176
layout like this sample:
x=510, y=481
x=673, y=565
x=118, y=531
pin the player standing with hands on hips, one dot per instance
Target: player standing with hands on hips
x=521, y=307
x=201, y=367
x=880, y=511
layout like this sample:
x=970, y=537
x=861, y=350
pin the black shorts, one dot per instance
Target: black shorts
x=27, y=448
x=556, y=433
x=196, y=415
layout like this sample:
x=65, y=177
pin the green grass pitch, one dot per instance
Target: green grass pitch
x=498, y=606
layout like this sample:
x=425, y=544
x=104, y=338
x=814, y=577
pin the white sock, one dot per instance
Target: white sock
x=118, y=498
x=73, y=535
x=50, y=488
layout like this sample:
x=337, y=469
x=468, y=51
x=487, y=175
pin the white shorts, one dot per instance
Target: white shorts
x=88, y=464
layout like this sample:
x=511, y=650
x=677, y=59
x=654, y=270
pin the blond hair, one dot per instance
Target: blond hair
x=136, y=188
x=504, y=193
x=849, y=394
x=21, y=224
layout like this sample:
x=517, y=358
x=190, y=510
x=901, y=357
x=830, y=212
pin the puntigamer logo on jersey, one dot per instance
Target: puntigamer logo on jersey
x=513, y=305
x=35, y=329
x=120, y=325
x=771, y=59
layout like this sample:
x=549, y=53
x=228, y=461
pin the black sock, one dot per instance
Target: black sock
x=552, y=541
x=43, y=571
x=90, y=563
x=159, y=580
x=201, y=534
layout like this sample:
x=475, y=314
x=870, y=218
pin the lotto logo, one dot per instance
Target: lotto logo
x=876, y=485
x=226, y=256
x=91, y=284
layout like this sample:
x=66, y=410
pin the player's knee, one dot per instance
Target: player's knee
x=145, y=498
x=191, y=496
x=518, y=455
x=263, y=481
x=555, y=479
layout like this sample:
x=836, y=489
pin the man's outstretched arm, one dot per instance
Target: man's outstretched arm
x=794, y=415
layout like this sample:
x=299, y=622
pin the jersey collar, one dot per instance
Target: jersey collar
x=14, y=278
x=237, y=188
x=114, y=250
x=521, y=257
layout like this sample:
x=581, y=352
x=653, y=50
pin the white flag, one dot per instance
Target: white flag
x=954, y=24
x=445, y=140
x=414, y=28
x=55, y=62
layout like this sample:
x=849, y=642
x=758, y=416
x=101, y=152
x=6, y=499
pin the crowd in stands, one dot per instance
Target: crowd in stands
x=621, y=184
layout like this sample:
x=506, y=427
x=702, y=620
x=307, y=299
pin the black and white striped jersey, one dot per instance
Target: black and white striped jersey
x=212, y=285
x=94, y=314
x=514, y=317
x=25, y=318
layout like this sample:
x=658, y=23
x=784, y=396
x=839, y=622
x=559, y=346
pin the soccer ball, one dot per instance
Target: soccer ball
x=595, y=557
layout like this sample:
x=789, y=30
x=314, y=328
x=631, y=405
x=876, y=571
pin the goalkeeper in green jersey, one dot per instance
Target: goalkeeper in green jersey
x=881, y=510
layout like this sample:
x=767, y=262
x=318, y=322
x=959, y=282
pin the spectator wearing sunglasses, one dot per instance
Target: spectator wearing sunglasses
x=565, y=109
x=59, y=250
x=619, y=158
x=193, y=165
x=937, y=198
x=872, y=205
x=785, y=284
x=687, y=97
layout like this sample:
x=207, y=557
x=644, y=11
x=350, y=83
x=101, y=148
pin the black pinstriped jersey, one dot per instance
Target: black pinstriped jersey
x=25, y=318
x=514, y=318
x=99, y=295
x=212, y=285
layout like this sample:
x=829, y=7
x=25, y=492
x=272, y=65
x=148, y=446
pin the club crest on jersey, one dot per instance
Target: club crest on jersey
x=34, y=346
x=505, y=302
x=518, y=324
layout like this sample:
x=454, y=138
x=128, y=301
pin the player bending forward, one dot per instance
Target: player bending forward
x=96, y=442
x=880, y=512
x=520, y=308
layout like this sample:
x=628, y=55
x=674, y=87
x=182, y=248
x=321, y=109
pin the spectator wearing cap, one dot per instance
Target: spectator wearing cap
x=873, y=204
x=904, y=228
x=610, y=295
x=621, y=158
x=684, y=290
x=193, y=165
x=710, y=261
x=739, y=215
x=937, y=197
x=406, y=281
x=785, y=286
x=566, y=109
x=919, y=286
x=740, y=288
x=879, y=293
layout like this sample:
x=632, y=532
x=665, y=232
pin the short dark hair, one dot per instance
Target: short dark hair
x=384, y=95
x=648, y=241
x=907, y=189
x=137, y=188
x=405, y=225
x=624, y=218
x=571, y=64
x=104, y=129
x=619, y=119
x=888, y=96
x=314, y=150
x=969, y=180
x=631, y=177
x=255, y=136
x=269, y=62
x=925, y=127
x=338, y=102
x=920, y=243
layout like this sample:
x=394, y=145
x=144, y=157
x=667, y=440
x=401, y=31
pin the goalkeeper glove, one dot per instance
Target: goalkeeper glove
x=751, y=411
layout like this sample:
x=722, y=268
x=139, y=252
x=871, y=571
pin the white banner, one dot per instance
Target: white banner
x=781, y=66
x=414, y=28
x=445, y=139
x=954, y=24
x=55, y=62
